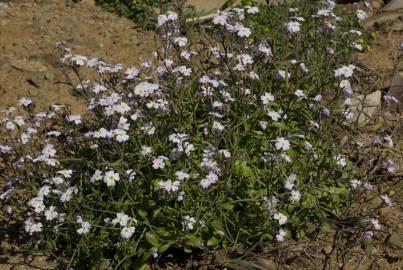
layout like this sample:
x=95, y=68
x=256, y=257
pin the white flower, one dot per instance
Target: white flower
x=44, y=191
x=361, y=15
x=355, y=183
x=159, y=162
x=266, y=98
x=376, y=224
x=180, y=175
x=281, y=234
x=132, y=72
x=37, y=204
x=10, y=125
x=225, y=153
x=252, y=10
x=25, y=102
x=49, y=151
x=120, y=135
x=281, y=74
x=25, y=138
x=275, y=116
x=32, y=227
x=79, y=60
x=243, y=31
x=169, y=186
x=204, y=183
x=344, y=71
x=281, y=218
x=85, y=228
x=264, y=48
x=289, y=183
x=144, y=89
x=122, y=219
x=127, y=232
x=295, y=196
x=188, y=222
x=110, y=178
x=293, y=27
x=181, y=41
x=74, y=118
x=220, y=18
x=51, y=214
x=212, y=177
x=146, y=150
x=282, y=144
x=66, y=196
x=121, y=108
x=65, y=173
x=217, y=126
x=341, y=161
x=57, y=180
x=96, y=176
x=387, y=200
x=299, y=93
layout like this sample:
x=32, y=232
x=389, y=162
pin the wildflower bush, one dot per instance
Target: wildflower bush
x=224, y=137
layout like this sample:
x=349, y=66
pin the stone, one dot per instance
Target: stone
x=265, y=263
x=206, y=6
x=31, y=66
x=364, y=108
x=327, y=249
x=382, y=17
x=3, y=6
x=395, y=240
x=377, y=4
x=390, y=215
x=393, y=5
x=5, y=266
x=396, y=91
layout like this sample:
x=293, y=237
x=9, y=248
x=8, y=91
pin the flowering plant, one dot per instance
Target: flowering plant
x=218, y=140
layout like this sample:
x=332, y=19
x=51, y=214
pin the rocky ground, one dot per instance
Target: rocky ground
x=28, y=68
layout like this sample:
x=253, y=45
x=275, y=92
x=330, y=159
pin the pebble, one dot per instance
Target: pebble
x=31, y=66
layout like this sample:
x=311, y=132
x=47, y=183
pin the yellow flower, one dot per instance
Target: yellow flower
x=369, y=49
x=361, y=40
x=251, y=40
x=373, y=34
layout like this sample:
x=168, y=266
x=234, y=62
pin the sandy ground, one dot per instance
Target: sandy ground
x=28, y=31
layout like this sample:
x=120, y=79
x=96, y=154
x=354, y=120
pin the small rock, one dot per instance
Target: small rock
x=390, y=215
x=364, y=108
x=327, y=249
x=3, y=6
x=396, y=91
x=31, y=66
x=382, y=17
x=206, y=6
x=377, y=4
x=266, y=263
x=393, y=5
x=396, y=240
x=5, y=267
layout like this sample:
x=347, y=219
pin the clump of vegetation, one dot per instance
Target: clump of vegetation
x=141, y=11
x=224, y=138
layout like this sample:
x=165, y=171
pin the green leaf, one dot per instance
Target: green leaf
x=213, y=242
x=241, y=168
x=152, y=239
x=193, y=240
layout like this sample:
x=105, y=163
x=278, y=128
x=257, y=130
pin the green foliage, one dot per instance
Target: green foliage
x=141, y=11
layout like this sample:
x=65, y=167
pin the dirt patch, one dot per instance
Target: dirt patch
x=28, y=31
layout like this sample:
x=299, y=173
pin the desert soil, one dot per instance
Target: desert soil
x=28, y=31
x=28, y=68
